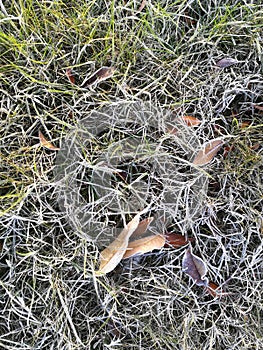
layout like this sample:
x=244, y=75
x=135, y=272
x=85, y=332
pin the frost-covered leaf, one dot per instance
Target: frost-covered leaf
x=112, y=255
x=45, y=143
x=195, y=267
x=101, y=74
x=144, y=245
x=208, y=152
x=226, y=62
x=190, y=120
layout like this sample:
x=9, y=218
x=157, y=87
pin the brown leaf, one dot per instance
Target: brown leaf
x=70, y=76
x=1, y=245
x=213, y=289
x=176, y=240
x=260, y=108
x=142, y=227
x=45, y=143
x=101, y=74
x=190, y=120
x=208, y=152
x=195, y=267
x=143, y=4
x=144, y=245
x=112, y=255
x=226, y=62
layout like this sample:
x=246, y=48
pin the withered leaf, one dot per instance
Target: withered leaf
x=101, y=74
x=260, y=108
x=142, y=6
x=190, y=120
x=142, y=227
x=112, y=255
x=187, y=119
x=211, y=289
x=70, y=76
x=144, y=245
x=208, y=152
x=176, y=240
x=45, y=143
x=214, y=290
x=226, y=62
x=195, y=267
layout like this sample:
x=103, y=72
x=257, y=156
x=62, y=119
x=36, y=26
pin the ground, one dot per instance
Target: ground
x=165, y=55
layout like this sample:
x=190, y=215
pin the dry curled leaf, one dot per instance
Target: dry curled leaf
x=101, y=74
x=144, y=245
x=208, y=152
x=226, y=62
x=112, y=255
x=195, y=267
x=45, y=143
x=70, y=76
x=176, y=240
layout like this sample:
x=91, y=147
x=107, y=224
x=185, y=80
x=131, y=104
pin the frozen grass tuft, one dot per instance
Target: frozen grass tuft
x=166, y=56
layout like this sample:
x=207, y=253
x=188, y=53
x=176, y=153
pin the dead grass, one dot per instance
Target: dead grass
x=164, y=56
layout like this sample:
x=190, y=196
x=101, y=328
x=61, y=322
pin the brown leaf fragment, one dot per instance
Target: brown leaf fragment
x=260, y=108
x=195, y=267
x=244, y=124
x=186, y=119
x=112, y=255
x=226, y=62
x=208, y=152
x=101, y=74
x=70, y=76
x=214, y=290
x=176, y=240
x=211, y=289
x=45, y=143
x=142, y=6
x=227, y=150
x=1, y=245
x=144, y=245
x=190, y=120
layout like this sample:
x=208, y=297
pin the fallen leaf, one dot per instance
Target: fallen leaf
x=172, y=130
x=195, y=267
x=226, y=62
x=187, y=119
x=45, y=143
x=101, y=74
x=144, y=245
x=208, y=152
x=260, y=108
x=70, y=76
x=244, y=124
x=143, y=4
x=1, y=245
x=211, y=289
x=214, y=290
x=190, y=120
x=112, y=255
x=176, y=240
x=142, y=227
